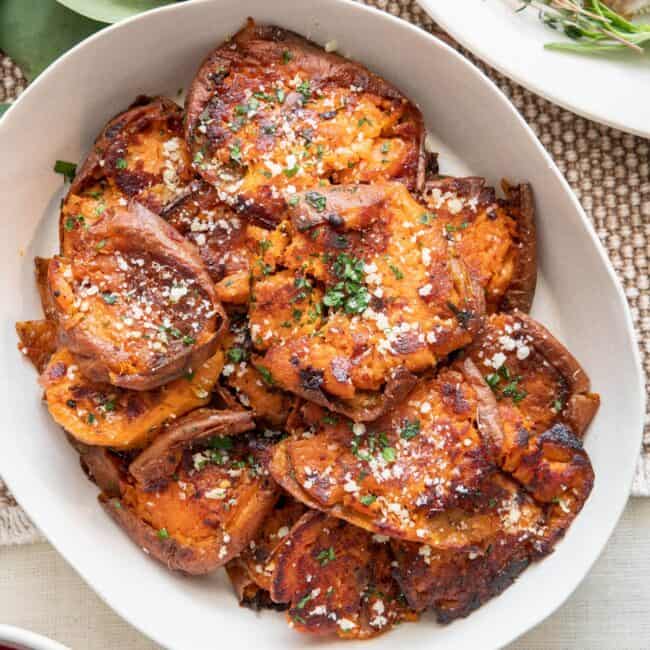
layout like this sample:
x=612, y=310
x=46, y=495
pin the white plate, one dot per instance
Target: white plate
x=579, y=299
x=25, y=640
x=612, y=89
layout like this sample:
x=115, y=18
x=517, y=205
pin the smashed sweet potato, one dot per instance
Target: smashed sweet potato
x=517, y=530
x=391, y=477
x=270, y=112
x=541, y=393
x=139, y=155
x=106, y=415
x=337, y=579
x=134, y=302
x=365, y=296
x=494, y=237
x=209, y=507
x=251, y=573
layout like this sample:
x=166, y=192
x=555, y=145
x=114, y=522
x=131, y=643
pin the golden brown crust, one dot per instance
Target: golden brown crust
x=207, y=514
x=364, y=296
x=139, y=155
x=347, y=124
x=105, y=415
x=37, y=341
x=337, y=580
x=158, y=461
x=424, y=457
x=132, y=278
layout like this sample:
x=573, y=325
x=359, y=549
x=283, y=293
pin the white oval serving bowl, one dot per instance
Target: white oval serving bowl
x=477, y=130
x=20, y=639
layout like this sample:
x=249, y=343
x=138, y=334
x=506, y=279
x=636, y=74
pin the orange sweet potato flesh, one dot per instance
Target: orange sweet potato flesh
x=37, y=341
x=337, y=579
x=139, y=155
x=426, y=456
x=363, y=298
x=134, y=301
x=319, y=117
x=206, y=513
x=105, y=415
x=494, y=237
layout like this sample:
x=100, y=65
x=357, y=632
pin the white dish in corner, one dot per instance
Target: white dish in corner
x=578, y=298
x=513, y=43
x=20, y=639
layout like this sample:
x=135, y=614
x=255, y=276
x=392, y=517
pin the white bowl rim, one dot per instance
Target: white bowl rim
x=471, y=70
x=28, y=639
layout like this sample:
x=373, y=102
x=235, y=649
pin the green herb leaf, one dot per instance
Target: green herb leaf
x=162, y=534
x=66, y=168
x=326, y=556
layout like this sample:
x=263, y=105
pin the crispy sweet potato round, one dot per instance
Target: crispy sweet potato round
x=517, y=530
x=536, y=380
x=37, y=341
x=366, y=294
x=270, y=112
x=106, y=415
x=252, y=567
x=206, y=513
x=337, y=579
x=134, y=301
x=494, y=237
x=140, y=154
x=392, y=477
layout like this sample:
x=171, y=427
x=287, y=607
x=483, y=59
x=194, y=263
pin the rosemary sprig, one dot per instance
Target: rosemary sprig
x=591, y=25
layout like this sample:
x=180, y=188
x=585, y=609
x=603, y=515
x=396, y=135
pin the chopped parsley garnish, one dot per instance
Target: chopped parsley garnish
x=68, y=169
x=163, y=534
x=120, y=163
x=236, y=354
x=511, y=389
x=410, y=429
x=71, y=403
x=292, y=171
x=265, y=268
x=188, y=340
x=389, y=454
x=91, y=418
x=297, y=314
x=303, y=601
x=280, y=95
x=368, y=499
x=109, y=298
x=427, y=217
x=109, y=405
x=266, y=374
x=326, y=556
x=316, y=200
x=100, y=244
x=385, y=148
x=350, y=294
x=304, y=88
x=362, y=121
x=558, y=405
x=286, y=56
x=189, y=375
x=294, y=200
x=235, y=153
x=69, y=223
x=330, y=419
x=221, y=442
x=264, y=245
x=396, y=272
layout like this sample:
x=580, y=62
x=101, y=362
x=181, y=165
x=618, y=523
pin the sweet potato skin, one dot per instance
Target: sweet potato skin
x=37, y=341
x=105, y=415
x=232, y=139
x=135, y=262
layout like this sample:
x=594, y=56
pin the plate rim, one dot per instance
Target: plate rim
x=471, y=69
x=433, y=11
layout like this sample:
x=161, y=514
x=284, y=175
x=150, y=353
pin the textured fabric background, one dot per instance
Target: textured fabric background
x=608, y=170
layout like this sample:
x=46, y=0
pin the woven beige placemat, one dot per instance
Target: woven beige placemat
x=608, y=170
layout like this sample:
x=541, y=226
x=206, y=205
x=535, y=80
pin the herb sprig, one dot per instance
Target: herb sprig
x=593, y=27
